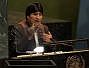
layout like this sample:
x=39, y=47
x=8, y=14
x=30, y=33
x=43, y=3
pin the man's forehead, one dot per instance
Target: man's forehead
x=37, y=12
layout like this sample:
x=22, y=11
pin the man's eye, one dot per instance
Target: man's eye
x=35, y=14
x=40, y=14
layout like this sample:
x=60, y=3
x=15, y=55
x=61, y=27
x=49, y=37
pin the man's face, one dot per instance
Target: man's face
x=35, y=18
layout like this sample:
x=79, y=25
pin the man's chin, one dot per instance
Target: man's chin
x=37, y=22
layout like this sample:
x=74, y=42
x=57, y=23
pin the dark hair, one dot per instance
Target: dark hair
x=34, y=7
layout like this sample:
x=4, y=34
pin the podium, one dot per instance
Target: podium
x=30, y=63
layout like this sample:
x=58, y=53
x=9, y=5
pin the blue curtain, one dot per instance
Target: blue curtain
x=83, y=21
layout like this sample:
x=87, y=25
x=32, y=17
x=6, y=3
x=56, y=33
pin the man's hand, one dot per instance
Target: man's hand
x=47, y=37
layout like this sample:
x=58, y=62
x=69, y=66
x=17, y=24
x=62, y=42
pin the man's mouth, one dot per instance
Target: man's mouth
x=37, y=20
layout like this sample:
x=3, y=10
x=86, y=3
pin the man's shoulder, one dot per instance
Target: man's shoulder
x=45, y=26
x=21, y=23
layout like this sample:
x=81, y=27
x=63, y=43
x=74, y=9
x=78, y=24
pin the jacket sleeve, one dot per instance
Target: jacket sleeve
x=21, y=40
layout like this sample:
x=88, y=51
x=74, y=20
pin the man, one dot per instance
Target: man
x=26, y=30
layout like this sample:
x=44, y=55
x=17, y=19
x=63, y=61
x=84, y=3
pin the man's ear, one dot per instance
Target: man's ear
x=28, y=17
